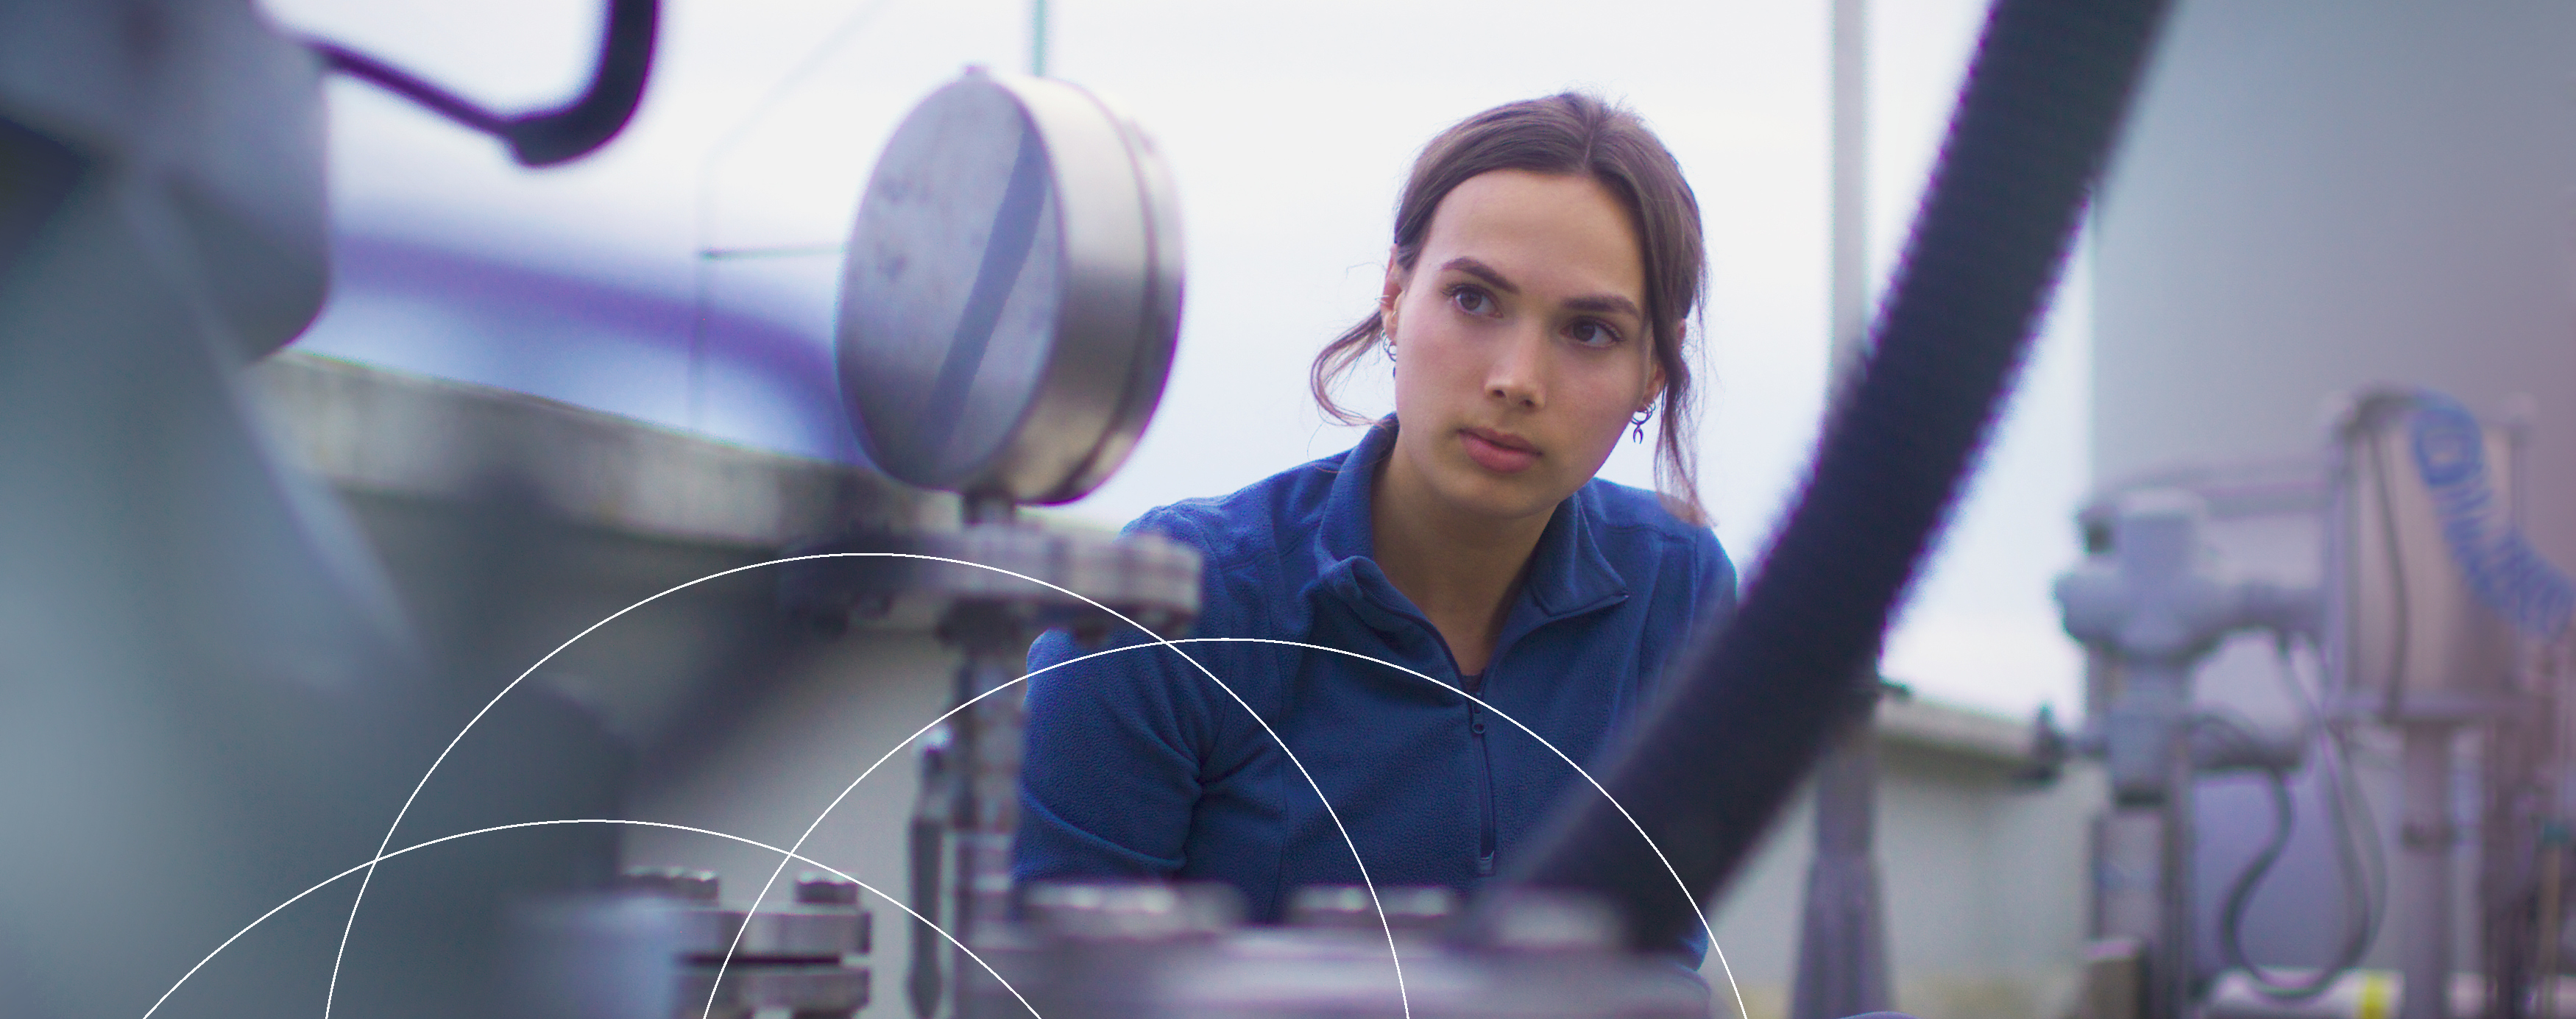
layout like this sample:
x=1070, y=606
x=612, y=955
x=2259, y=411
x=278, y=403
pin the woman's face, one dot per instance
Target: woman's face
x=1520, y=341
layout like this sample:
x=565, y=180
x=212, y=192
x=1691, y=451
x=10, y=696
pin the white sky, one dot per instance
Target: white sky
x=1288, y=128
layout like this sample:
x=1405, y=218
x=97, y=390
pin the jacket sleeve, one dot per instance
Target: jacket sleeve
x=1117, y=740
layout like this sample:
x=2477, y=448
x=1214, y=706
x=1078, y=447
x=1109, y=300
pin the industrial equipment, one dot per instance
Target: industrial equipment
x=2157, y=603
x=1011, y=299
x=2429, y=615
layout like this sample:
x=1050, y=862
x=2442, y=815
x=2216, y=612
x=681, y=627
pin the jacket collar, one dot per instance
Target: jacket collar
x=1568, y=574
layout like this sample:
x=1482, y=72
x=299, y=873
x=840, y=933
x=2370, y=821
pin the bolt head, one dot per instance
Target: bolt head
x=825, y=890
x=1135, y=911
x=1550, y=921
x=1349, y=906
x=682, y=883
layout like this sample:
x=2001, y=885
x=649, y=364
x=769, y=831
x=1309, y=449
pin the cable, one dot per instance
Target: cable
x=2231, y=923
x=2502, y=568
x=2359, y=845
x=545, y=137
x=2365, y=886
x=1746, y=711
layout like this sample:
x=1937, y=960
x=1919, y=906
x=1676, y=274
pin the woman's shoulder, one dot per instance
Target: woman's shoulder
x=1639, y=512
x=1258, y=543
x=1635, y=525
x=1261, y=520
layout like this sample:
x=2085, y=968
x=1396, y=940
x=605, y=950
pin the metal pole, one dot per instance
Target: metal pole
x=1037, y=38
x=983, y=765
x=2148, y=744
x=924, y=984
x=2425, y=880
x=2553, y=861
x=989, y=742
x=1850, y=284
x=1842, y=947
x=2177, y=958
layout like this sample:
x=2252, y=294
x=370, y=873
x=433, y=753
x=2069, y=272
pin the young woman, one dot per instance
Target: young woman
x=1547, y=256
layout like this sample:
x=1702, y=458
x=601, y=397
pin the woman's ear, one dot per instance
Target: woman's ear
x=1655, y=369
x=1393, y=294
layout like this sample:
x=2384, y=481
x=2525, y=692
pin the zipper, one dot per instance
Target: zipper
x=1485, y=788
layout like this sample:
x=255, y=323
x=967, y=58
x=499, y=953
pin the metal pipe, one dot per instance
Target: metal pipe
x=2553, y=862
x=1851, y=191
x=1842, y=944
x=543, y=137
x=2151, y=768
x=2424, y=878
x=929, y=842
x=989, y=744
x=2177, y=958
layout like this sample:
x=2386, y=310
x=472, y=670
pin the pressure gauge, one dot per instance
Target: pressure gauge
x=1012, y=292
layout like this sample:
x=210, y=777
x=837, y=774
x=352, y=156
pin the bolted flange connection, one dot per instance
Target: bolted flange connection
x=929, y=575
x=1408, y=909
x=680, y=883
x=1135, y=912
x=825, y=890
x=800, y=958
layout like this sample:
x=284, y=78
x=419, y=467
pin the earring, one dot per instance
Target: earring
x=1389, y=339
x=1639, y=433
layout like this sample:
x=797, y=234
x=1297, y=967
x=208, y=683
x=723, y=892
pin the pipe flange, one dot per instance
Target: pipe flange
x=748, y=989
x=1135, y=912
x=785, y=933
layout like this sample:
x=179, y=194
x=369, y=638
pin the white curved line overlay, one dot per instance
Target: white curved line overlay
x=352, y=921
x=1724, y=967
x=1687, y=894
x=370, y=865
x=790, y=854
x=1403, y=997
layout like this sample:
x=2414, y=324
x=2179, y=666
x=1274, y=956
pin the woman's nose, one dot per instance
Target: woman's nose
x=1518, y=374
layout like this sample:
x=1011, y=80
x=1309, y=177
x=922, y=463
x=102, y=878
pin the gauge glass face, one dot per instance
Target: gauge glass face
x=952, y=289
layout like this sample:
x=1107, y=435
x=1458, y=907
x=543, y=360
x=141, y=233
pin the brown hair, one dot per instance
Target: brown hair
x=1570, y=133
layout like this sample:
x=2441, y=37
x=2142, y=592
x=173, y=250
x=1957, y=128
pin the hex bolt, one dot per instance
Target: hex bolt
x=1349, y=906
x=1136, y=911
x=825, y=890
x=682, y=883
x=1547, y=921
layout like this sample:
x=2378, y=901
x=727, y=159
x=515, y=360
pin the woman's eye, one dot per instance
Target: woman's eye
x=1472, y=300
x=1594, y=334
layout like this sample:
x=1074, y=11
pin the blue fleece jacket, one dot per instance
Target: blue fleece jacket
x=1138, y=764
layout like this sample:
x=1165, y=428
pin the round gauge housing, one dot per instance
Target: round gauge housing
x=1012, y=292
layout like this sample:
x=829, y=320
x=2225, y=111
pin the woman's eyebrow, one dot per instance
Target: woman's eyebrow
x=1481, y=271
x=1606, y=304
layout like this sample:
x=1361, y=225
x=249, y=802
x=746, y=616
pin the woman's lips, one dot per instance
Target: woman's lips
x=1494, y=451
